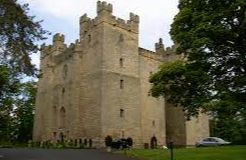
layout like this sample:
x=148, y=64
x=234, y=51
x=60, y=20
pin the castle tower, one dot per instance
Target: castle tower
x=113, y=46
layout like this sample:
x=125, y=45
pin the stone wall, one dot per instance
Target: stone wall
x=153, y=109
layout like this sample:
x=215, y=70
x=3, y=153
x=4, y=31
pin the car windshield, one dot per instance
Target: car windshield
x=218, y=139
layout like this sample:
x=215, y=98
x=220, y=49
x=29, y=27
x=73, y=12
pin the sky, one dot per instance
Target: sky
x=62, y=16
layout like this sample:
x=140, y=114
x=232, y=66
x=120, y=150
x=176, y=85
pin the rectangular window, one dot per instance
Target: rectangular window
x=121, y=112
x=121, y=84
x=122, y=134
x=121, y=62
x=153, y=123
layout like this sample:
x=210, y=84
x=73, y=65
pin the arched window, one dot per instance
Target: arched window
x=62, y=117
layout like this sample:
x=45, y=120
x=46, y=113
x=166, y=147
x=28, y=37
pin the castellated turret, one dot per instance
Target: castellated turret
x=99, y=86
x=159, y=47
x=104, y=8
x=104, y=15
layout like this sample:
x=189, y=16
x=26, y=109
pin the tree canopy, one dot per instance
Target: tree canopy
x=19, y=33
x=211, y=35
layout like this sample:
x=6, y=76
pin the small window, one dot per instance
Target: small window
x=121, y=113
x=153, y=123
x=63, y=90
x=121, y=84
x=65, y=68
x=122, y=134
x=151, y=73
x=121, y=38
x=89, y=38
x=121, y=62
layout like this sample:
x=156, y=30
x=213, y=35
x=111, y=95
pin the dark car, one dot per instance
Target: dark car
x=119, y=143
x=211, y=141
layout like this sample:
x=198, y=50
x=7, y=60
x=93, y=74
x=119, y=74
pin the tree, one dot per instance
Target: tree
x=24, y=112
x=211, y=35
x=19, y=33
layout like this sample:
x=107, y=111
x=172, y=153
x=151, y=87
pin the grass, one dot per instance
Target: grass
x=209, y=153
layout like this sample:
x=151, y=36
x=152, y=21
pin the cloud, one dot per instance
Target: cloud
x=155, y=15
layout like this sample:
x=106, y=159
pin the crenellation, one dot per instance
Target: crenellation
x=58, y=38
x=71, y=46
x=85, y=25
x=134, y=18
x=104, y=8
x=45, y=50
x=159, y=47
x=122, y=24
x=121, y=21
x=77, y=41
x=150, y=54
x=84, y=18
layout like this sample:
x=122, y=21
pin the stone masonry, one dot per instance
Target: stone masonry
x=98, y=86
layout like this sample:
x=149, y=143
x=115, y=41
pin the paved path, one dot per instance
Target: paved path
x=56, y=154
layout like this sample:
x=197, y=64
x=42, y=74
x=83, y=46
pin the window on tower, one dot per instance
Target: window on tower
x=65, y=71
x=121, y=62
x=121, y=84
x=121, y=112
x=153, y=123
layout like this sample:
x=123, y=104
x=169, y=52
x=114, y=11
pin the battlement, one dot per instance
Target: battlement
x=161, y=53
x=104, y=7
x=134, y=18
x=104, y=14
x=57, y=47
x=84, y=18
x=149, y=54
x=58, y=38
x=159, y=47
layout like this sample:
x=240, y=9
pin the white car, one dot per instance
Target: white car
x=211, y=141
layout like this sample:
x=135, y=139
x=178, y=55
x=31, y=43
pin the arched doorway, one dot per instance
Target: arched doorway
x=153, y=142
x=62, y=121
x=61, y=137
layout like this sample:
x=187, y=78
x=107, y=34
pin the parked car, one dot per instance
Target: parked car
x=211, y=141
x=119, y=143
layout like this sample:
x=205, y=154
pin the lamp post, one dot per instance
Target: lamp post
x=171, y=149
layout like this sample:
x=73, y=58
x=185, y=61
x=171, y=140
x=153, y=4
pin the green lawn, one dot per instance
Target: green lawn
x=211, y=153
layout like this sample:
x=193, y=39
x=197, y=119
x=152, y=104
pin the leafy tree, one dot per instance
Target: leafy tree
x=19, y=33
x=24, y=113
x=9, y=90
x=211, y=36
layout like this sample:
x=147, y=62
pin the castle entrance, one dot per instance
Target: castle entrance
x=61, y=136
x=153, y=142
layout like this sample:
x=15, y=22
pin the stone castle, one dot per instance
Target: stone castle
x=99, y=86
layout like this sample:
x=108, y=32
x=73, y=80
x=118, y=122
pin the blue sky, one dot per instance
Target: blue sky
x=62, y=16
